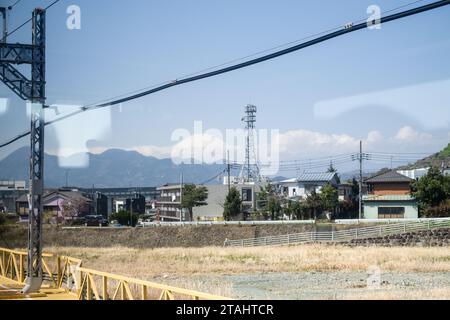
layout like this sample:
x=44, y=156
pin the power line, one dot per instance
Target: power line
x=13, y=5
x=258, y=60
x=29, y=20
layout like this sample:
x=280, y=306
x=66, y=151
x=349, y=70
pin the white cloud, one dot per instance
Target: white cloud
x=374, y=136
x=153, y=151
x=305, y=143
x=409, y=134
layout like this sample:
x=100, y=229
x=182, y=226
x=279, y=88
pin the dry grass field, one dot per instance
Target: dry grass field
x=321, y=271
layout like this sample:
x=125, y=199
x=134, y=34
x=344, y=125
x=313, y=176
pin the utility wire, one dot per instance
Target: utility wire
x=13, y=5
x=248, y=63
x=29, y=20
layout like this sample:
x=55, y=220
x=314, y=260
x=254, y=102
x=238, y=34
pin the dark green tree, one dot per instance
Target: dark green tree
x=193, y=196
x=299, y=210
x=332, y=169
x=233, y=204
x=432, y=189
x=314, y=204
x=329, y=197
x=274, y=207
x=123, y=217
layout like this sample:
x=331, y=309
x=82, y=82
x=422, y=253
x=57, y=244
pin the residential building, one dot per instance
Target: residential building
x=136, y=204
x=414, y=174
x=389, y=197
x=116, y=197
x=307, y=183
x=216, y=199
x=168, y=203
x=10, y=191
x=345, y=192
x=54, y=202
x=12, y=185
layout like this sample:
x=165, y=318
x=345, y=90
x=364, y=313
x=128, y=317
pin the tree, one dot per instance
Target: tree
x=233, y=204
x=332, y=169
x=299, y=210
x=355, y=188
x=73, y=208
x=314, y=204
x=274, y=207
x=193, y=196
x=272, y=203
x=432, y=189
x=329, y=197
x=123, y=218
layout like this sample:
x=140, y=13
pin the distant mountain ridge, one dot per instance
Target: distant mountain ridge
x=112, y=168
x=439, y=159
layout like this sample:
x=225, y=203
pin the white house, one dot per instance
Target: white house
x=306, y=183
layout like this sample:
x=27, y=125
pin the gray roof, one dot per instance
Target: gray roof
x=314, y=177
x=390, y=176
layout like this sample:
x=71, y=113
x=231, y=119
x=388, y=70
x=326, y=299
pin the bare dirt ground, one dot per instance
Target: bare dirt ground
x=331, y=285
x=298, y=272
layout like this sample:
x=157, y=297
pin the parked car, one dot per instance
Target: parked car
x=115, y=224
x=95, y=221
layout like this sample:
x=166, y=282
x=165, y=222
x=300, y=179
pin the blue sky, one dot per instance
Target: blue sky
x=127, y=45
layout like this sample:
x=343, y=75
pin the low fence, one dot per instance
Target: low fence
x=67, y=273
x=224, y=223
x=342, y=235
x=386, y=221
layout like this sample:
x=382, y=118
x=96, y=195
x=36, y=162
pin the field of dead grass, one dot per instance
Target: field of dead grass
x=218, y=260
x=203, y=269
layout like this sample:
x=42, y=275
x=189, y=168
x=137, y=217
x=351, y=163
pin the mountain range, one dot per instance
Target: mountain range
x=120, y=168
x=112, y=168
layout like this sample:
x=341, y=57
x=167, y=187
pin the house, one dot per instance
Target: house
x=54, y=202
x=345, y=192
x=389, y=197
x=307, y=183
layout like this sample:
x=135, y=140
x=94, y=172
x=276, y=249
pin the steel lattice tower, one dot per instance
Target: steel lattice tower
x=250, y=169
x=32, y=90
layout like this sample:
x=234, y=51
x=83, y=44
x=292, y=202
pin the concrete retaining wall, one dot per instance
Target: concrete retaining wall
x=438, y=237
x=185, y=236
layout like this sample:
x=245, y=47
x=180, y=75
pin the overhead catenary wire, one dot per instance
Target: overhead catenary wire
x=13, y=5
x=173, y=83
x=29, y=20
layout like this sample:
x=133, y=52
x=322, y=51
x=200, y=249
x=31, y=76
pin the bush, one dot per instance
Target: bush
x=2, y=218
x=441, y=211
x=123, y=217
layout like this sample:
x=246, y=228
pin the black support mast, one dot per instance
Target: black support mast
x=33, y=91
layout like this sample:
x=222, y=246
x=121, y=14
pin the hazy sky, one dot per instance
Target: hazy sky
x=389, y=87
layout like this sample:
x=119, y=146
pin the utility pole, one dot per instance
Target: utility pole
x=181, y=198
x=360, y=178
x=33, y=91
x=228, y=170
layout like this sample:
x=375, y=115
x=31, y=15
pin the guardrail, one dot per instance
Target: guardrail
x=62, y=272
x=340, y=236
x=13, y=266
x=114, y=287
